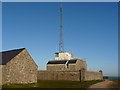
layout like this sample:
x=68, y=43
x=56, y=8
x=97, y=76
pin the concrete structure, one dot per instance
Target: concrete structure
x=66, y=67
x=63, y=56
x=18, y=67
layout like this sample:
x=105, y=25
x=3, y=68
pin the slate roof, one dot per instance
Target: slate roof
x=72, y=61
x=62, y=62
x=57, y=62
x=8, y=55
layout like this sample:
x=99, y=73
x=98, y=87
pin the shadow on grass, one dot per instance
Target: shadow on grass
x=54, y=84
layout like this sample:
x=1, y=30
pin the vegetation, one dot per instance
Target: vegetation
x=54, y=84
x=115, y=83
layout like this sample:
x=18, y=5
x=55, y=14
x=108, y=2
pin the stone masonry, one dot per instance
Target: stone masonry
x=72, y=65
x=69, y=75
x=68, y=69
x=58, y=75
x=20, y=69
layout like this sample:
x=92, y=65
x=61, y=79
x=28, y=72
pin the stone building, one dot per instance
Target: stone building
x=69, y=65
x=65, y=61
x=18, y=67
x=66, y=67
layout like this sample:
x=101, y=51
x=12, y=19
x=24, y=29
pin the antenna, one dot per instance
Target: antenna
x=61, y=42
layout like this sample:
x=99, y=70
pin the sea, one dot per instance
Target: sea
x=113, y=77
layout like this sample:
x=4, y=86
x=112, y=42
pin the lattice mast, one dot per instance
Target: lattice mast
x=61, y=42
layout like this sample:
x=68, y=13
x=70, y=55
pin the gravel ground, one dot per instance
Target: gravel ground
x=105, y=84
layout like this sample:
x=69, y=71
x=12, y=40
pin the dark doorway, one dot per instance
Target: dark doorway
x=82, y=74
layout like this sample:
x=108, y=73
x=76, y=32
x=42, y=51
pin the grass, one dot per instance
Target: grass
x=54, y=84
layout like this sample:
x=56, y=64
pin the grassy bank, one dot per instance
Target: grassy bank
x=54, y=84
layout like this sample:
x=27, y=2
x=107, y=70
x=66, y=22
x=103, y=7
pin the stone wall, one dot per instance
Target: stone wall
x=58, y=75
x=68, y=75
x=80, y=64
x=3, y=74
x=0, y=70
x=0, y=74
x=21, y=69
x=56, y=67
x=90, y=75
x=71, y=67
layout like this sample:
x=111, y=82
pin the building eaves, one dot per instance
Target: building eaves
x=8, y=55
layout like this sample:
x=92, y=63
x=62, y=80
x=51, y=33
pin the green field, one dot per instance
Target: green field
x=53, y=84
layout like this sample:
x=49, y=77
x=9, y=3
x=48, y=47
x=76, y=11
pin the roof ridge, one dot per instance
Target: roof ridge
x=13, y=50
x=9, y=55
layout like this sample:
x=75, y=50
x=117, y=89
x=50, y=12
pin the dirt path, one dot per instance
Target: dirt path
x=104, y=84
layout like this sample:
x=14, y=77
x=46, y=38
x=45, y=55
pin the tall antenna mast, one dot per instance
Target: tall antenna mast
x=61, y=42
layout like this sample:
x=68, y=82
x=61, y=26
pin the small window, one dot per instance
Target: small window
x=57, y=55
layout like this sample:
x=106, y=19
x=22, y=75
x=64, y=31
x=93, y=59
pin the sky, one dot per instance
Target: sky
x=0, y=26
x=90, y=31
